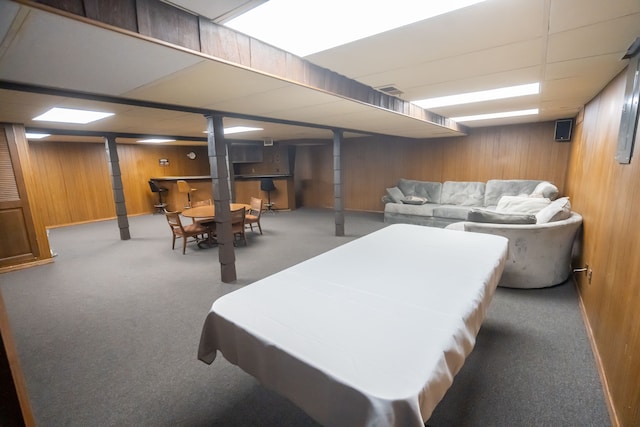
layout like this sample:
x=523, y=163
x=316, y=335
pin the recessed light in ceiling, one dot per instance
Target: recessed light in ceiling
x=496, y=115
x=156, y=140
x=33, y=135
x=239, y=129
x=480, y=96
x=275, y=21
x=69, y=115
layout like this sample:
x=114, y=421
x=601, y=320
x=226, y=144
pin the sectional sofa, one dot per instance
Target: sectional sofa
x=541, y=227
x=439, y=204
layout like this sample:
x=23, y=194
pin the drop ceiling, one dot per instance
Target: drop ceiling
x=572, y=47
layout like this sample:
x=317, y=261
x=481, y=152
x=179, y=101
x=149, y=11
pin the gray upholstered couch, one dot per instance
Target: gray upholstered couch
x=450, y=201
x=539, y=254
x=540, y=227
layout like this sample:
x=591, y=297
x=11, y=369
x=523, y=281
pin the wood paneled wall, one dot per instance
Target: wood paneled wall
x=75, y=186
x=372, y=164
x=607, y=194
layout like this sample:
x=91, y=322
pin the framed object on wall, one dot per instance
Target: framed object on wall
x=629, y=120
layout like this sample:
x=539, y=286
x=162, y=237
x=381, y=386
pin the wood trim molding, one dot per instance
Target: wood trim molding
x=613, y=415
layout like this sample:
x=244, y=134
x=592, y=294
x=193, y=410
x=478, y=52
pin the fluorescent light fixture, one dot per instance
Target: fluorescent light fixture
x=156, y=140
x=239, y=129
x=480, y=96
x=310, y=26
x=69, y=115
x=33, y=135
x=496, y=115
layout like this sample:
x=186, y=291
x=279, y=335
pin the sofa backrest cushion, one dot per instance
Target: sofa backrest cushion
x=485, y=215
x=395, y=194
x=428, y=189
x=462, y=193
x=496, y=188
x=452, y=212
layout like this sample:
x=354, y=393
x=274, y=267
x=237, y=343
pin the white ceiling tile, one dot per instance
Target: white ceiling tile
x=572, y=14
x=8, y=12
x=85, y=58
x=589, y=41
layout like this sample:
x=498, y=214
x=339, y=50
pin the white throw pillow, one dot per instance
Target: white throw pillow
x=414, y=200
x=545, y=189
x=556, y=211
x=522, y=205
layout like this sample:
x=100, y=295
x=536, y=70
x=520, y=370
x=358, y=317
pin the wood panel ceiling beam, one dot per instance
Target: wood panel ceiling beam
x=156, y=20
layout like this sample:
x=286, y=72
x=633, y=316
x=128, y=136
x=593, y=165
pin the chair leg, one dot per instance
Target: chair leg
x=259, y=227
x=173, y=244
x=184, y=245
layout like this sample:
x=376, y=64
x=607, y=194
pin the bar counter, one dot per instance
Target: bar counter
x=246, y=186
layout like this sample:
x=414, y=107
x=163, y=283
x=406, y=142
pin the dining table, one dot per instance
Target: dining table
x=206, y=214
x=209, y=211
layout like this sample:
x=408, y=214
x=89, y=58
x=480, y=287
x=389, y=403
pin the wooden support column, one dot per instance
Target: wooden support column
x=337, y=183
x=116, y=186
x=221, y=192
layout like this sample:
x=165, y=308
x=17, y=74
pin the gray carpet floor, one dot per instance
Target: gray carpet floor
x=108, y=335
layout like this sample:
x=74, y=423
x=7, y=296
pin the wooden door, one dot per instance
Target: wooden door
x=18, y=243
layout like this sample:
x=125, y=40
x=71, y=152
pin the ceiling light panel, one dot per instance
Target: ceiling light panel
x=70, y=115
x=496, y=115
x=32, y=135
x=274, y=21
x=155, y=140
x=480, y=96
x=239, y=129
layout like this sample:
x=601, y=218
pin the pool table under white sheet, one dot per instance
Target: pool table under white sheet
x=370, y=333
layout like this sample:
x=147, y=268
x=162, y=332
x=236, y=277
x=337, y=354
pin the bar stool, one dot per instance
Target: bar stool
x=267, y=185
x=184, y=187
x=160, y=206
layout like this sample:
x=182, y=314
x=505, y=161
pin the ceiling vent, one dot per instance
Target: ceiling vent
x=390, y=89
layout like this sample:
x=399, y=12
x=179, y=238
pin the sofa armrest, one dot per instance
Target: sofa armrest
x=539, y=254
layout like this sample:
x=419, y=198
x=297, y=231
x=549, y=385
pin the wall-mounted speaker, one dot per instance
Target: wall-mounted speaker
x=563, y=130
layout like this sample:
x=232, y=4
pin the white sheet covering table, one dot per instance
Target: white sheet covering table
x=370, y=333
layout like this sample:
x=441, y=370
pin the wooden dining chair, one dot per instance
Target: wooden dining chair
x=206, y=222
x=184, y=231
x=253, y=215
x=184, y=187
x=238, y=224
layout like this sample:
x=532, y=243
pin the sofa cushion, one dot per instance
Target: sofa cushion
x=484, y=215
x=414, y=200
x=556, y=211
x=395, y=194
x=452, y=212
x=462, y=193
x=496, y=188
x=523, y=205
x=428, y=189
x=405, y=209
x=545, y=189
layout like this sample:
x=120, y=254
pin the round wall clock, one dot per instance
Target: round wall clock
x=191, y=155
